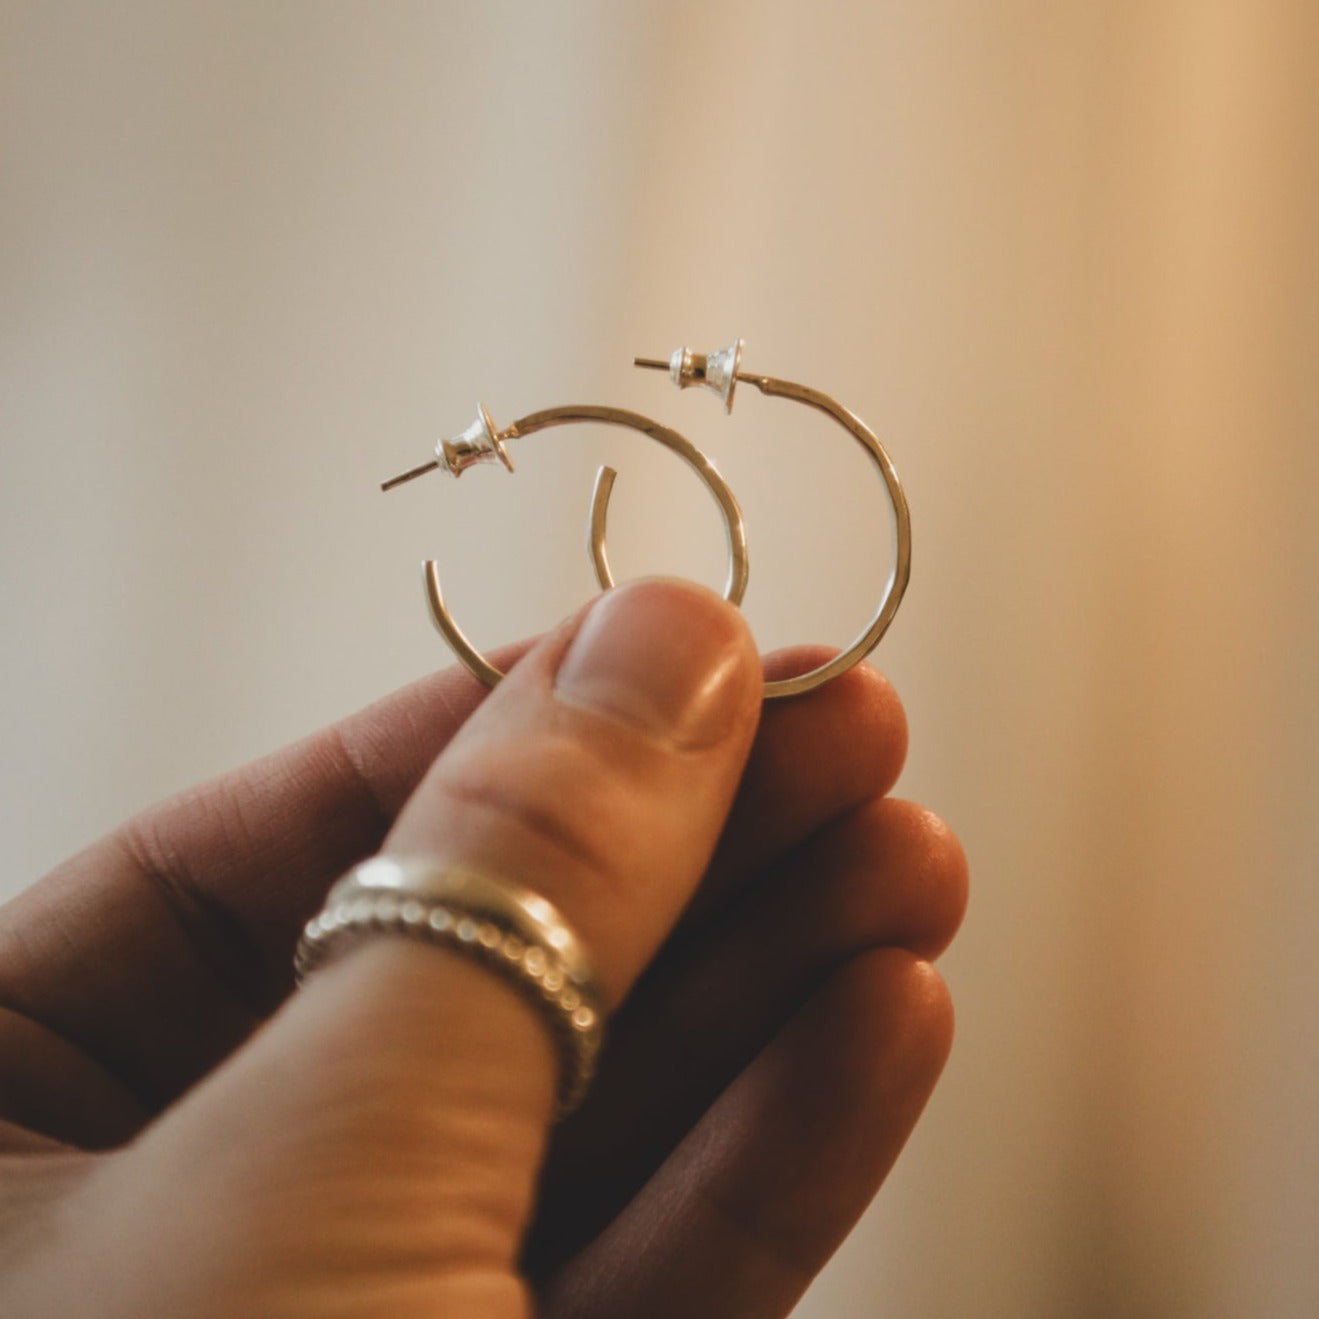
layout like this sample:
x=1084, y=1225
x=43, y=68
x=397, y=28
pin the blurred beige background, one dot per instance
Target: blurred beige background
x=1063, y=256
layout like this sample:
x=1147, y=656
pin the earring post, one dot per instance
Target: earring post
x=650, y=363
x=409, y=476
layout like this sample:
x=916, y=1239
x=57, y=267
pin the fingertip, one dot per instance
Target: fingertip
x=669, y=658
x=900, y=1030
x=862, y=700
x=932, y=1012
x=930, y=864
x=948, y=861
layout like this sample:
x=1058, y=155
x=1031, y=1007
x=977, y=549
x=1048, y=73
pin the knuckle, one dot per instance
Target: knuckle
x=553, y=807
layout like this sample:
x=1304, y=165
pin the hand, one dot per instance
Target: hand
x=183, y=1137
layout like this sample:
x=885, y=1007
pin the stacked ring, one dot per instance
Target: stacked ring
x=506, y=927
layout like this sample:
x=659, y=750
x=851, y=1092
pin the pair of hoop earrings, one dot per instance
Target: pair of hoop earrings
x=720, y=371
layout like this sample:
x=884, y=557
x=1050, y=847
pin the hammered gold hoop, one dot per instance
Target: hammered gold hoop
x=481, y=442
x=721, y=372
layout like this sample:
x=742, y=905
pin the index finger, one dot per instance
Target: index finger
x=159, y=948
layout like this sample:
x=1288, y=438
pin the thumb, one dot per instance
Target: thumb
x=388, y=1123
x=601, y=771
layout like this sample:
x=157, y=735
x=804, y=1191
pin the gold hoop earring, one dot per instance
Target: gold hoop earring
x=720, y=372
x=481, y=442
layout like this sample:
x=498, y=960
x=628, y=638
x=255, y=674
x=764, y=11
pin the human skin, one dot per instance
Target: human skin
x=183, y=1134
